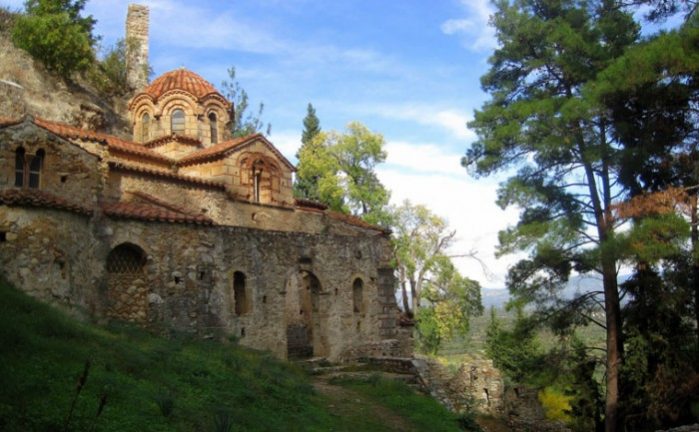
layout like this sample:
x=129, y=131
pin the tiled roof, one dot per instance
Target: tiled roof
x=353, y=220
x=309, y=204
x=218, y=150
x=160, y=203
x=7, y=121
x=210, y=153
x=168, y=175
x=180, y=79
x=182, y=139
x=132, y=210
x=112, y=142
x=39, y=198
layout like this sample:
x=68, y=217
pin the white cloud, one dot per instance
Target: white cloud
x=470, y=208
x=423, y=158
x=475, y=31
x=451, y=120
x=288, y=142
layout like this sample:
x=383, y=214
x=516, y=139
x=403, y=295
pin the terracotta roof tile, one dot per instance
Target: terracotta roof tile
x=213, y=152
x=182, y=139
x=180, y=79
x=216, y=151
x=309, y=204
x=157, y=201
x=39, y=198
x=131, y=210
x=112, y=142
x=7, y=121
x=167, y=175
x=353, y=220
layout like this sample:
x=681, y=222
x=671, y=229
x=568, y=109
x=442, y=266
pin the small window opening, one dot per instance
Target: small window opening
x=35, y=169
x=3, y=236
x=19, y=167
x=358, y=295
x=202, y=275
x=178, y=280
x=177, y=121
x=242, y=331
x=359, y=326
x=240, y=295
x=214, y=128
x=64, y=178
x=264, y=299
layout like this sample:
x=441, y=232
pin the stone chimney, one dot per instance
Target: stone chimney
x=137, y=46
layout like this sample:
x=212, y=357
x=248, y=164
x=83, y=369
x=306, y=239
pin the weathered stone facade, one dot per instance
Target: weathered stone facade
x=185, y=229
x=137, y=46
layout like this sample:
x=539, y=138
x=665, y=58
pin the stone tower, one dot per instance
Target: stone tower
x=137, y=46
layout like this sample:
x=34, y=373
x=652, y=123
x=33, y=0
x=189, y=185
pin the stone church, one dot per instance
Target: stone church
x=184, y=228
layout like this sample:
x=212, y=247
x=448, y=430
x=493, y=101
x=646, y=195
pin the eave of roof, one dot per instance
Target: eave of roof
x=113, y=143
x=220, y=150
x=138, y=211
x=181, y=139
x=39, y=198
x=166, y=175
x=353, y=220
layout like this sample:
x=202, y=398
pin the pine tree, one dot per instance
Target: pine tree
x=539, y=121
x=311, y=125
x=306, y=186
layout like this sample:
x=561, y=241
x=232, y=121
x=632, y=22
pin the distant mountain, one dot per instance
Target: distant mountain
x=576, y=285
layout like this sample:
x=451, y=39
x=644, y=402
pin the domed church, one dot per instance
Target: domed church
x=183, y=228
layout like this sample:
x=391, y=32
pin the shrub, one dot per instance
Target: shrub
x=556, y=404
x=54, y=33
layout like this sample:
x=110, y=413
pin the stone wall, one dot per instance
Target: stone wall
x=187, y=280
x=66, y=169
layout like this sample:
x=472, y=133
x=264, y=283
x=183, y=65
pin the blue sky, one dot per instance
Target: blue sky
x=408, y=69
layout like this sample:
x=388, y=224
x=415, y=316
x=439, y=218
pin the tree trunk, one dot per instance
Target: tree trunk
x=695, y=260
x=415, y=295
x=614, y=344
x=406, y=305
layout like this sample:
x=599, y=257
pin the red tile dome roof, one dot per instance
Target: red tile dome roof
x=180, y=79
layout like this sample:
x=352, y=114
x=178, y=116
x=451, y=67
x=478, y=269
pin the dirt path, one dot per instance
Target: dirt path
x=346, y=403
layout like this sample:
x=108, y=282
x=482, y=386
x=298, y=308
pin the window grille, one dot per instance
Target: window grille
x=125, y=259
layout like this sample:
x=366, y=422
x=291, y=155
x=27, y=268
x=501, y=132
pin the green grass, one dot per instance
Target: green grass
x=157, y=384
x=421, y=412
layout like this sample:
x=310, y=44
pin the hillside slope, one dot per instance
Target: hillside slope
x=147, y=383
x=26, y=87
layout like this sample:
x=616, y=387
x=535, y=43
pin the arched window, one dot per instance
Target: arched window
x=19, y=167
x=28, y=168
x=145, y=127
x=240, y=295
x=213, y=127
x=358, y=295
x=256, y=180
x=126, y=259
x=177, y=121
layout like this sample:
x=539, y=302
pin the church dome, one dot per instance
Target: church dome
x=183, y=80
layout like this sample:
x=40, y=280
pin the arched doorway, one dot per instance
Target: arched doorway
x=305, y=317
x=126, y=285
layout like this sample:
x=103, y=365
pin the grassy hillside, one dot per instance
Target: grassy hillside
x=138, y=382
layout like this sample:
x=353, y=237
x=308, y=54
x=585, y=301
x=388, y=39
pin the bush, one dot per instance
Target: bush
x=54, y=33
x=109, y=76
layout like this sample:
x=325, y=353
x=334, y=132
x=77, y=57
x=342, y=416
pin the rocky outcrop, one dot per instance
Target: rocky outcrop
x=26, y=87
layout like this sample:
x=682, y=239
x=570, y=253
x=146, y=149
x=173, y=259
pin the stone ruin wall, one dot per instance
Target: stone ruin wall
x=186, y=283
